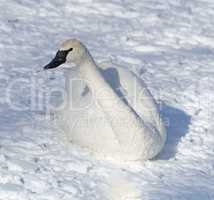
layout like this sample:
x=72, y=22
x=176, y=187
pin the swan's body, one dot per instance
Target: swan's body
x=108, y=109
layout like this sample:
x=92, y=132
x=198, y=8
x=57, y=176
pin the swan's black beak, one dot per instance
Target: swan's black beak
x=54, y=63
x=59, y=59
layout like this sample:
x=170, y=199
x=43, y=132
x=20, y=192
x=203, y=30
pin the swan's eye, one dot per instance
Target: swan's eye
x=70, y=49
x=63, y=53
x=66, y=51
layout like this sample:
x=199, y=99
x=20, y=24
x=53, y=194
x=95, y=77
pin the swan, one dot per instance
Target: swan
x=107, y=110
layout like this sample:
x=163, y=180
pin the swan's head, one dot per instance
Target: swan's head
x=71, y=51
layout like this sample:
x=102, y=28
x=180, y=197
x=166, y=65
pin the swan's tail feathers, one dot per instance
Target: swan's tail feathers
x=119, y=188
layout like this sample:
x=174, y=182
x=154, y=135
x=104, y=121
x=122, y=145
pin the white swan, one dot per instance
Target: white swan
x=108, y=110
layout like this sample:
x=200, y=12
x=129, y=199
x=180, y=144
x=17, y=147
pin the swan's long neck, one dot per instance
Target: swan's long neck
x=129, y=129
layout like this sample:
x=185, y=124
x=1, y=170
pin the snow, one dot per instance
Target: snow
x=168, y=43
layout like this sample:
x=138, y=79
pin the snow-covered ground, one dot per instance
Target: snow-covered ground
x=170, y=44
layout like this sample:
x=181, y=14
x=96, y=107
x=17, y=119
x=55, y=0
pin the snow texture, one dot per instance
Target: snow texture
x=170, y=44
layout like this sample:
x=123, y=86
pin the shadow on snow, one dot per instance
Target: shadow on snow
x=177, y=125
